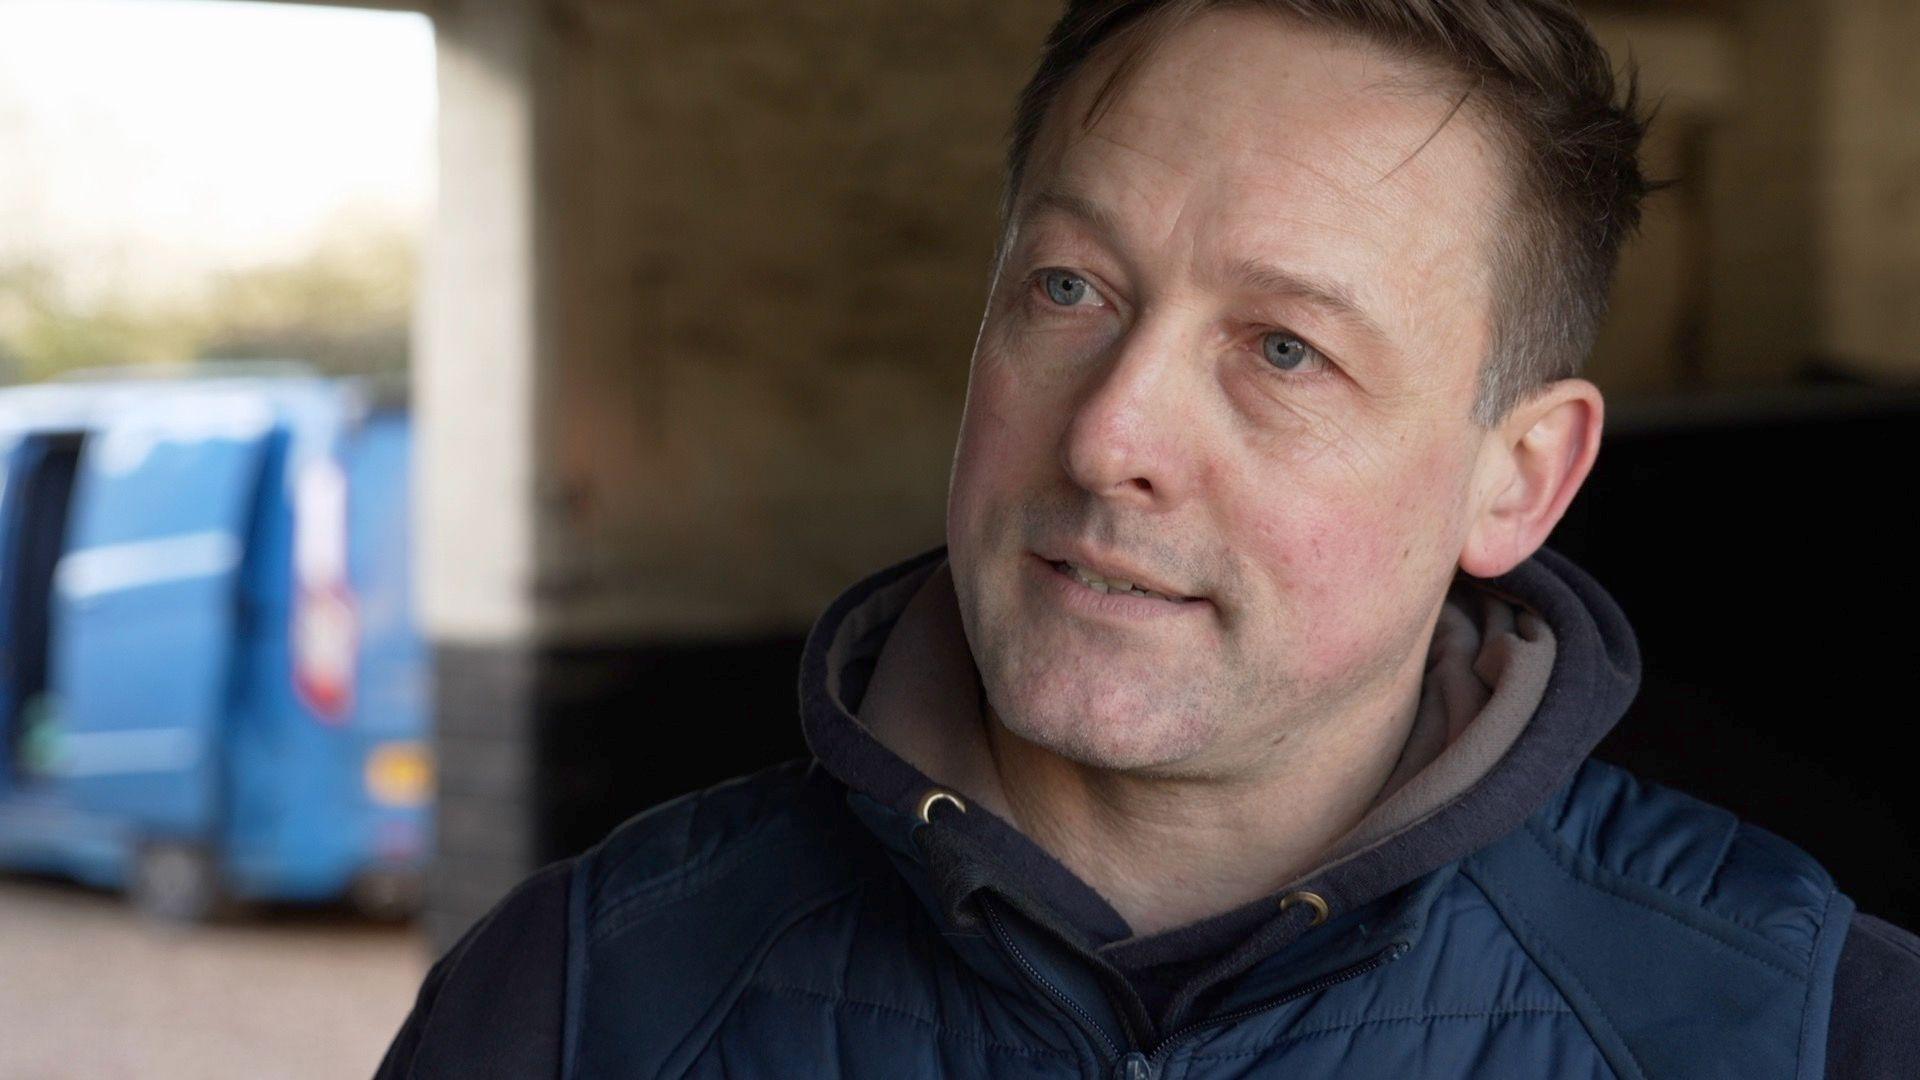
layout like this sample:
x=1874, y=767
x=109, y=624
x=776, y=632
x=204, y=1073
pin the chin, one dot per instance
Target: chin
x=1101, y=725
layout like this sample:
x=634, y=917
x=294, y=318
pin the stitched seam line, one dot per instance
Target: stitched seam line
x=1558, y=853
x=613, y=916
x=1410, y=1018
x=780, y=785
x=1510, y=914
x=1719, y=864
x=940, y=1031
x=1806, y=1002
x=743, y=981
x=457, y=956
x=611, y=870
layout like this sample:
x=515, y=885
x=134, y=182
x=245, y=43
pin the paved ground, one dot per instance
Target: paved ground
x=90, y=990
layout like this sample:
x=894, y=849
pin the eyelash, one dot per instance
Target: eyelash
x=1037, y=283
x=1036, y=287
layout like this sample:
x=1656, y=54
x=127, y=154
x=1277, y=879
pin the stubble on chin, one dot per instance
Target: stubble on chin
x=1070, y=706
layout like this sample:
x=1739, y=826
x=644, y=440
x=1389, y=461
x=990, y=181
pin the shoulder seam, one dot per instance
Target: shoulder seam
x=1739, y=832
x=1719, y=862
x=789, y=774
x=743, y=980
x=632, y=904
x=450, y=964
x=1562, y=854
x=1814, y=1029
x=1588, y=1009
x=763, y=832
x=1401, y=1018
x=1528, y=941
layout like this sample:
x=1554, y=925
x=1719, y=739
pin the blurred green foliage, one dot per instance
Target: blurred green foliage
x=343, y=308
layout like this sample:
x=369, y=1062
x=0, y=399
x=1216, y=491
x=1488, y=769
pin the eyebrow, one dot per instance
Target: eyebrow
x=1332, y=297
x=1254, y=275
x=1070, y=204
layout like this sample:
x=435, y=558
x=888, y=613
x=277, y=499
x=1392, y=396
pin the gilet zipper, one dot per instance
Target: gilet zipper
x=1033, y=975
x=1133, y=1063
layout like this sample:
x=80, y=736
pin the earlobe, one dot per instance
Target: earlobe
x=1537, y=460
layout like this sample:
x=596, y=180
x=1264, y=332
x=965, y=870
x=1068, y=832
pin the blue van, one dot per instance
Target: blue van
x=212, y=687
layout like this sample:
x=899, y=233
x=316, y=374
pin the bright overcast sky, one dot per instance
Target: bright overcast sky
x=145, y=139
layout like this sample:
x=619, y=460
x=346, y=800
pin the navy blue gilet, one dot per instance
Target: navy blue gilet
x=784, y=926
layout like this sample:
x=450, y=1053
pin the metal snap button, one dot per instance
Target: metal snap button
x=1312, y=900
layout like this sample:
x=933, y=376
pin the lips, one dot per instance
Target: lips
x=1103, y=576
x=1104, y=585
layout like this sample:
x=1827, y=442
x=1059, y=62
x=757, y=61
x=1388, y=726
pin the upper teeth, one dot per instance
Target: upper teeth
x=1099, y=584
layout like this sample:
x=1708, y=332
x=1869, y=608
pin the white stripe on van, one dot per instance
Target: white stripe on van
x=113, y=753
x=92, y=571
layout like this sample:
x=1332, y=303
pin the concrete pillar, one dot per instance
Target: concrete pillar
x=476, y=370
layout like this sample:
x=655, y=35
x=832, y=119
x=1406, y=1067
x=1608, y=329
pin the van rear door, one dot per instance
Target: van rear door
x=146, y=606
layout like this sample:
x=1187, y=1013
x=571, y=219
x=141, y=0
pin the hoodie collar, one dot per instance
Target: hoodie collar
x=1486, y=669
x=1428, y=819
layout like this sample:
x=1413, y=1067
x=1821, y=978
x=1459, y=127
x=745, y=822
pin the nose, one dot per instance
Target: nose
x=1127, y=439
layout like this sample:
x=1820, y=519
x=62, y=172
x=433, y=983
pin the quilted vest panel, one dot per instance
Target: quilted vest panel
x=1626, y=931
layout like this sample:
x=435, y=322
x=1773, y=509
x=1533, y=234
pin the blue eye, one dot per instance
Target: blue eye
x=1285, y=351
x=1064, y=288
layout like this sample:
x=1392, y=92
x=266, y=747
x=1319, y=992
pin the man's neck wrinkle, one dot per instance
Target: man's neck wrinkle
x=1166, y=852
x=1476, y=761
x=1163, y=853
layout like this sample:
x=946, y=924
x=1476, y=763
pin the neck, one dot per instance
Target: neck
x=1166, y=851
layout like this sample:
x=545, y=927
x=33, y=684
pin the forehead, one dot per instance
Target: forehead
x=1244, y=138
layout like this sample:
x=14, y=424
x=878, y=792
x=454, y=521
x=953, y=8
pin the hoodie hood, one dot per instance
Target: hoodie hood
x=1525, y=674
x=1485, y=671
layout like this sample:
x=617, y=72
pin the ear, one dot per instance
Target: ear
x=1530, y=467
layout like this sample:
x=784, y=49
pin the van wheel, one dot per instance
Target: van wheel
x=176, y=882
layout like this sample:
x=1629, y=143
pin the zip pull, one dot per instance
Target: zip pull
x=1135, y=1066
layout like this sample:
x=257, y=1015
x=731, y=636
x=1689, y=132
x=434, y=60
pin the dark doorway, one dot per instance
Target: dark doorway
x=33, y=526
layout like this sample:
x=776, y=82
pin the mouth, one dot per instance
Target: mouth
x=1112, y=585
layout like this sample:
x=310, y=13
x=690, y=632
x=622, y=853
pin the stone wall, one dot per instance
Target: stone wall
x=767, y=234
x=1791, y=244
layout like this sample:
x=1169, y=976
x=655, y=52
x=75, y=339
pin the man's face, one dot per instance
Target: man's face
x=1230, y=358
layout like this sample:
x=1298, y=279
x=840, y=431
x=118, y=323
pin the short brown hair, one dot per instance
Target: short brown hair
x=1571, y=129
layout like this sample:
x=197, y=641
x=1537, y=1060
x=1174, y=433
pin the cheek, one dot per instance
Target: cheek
x=1348, y=567
x=1003, y=444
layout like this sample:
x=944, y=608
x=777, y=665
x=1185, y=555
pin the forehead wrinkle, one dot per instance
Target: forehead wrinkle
x=1059, y=199
x=1334, y=297
x=1122, y=233
x=1281, y=148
